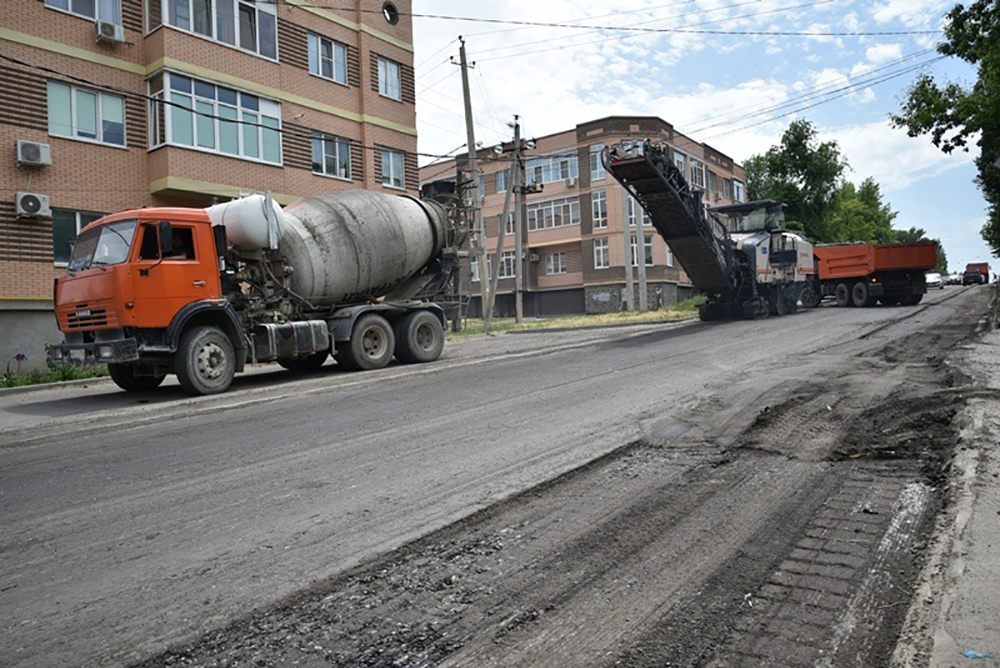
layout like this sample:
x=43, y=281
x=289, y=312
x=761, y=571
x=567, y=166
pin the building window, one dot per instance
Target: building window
x=553, y=168
x=474, y=268
x=327, y=58
x=632, y=206
x=555, y=263
x=713, y=183
x=554, y=213
x=80, y=113
x=739, y=191
x=697, y=173
x=602, y=260
x=647, y=243
x=393, y=174
x=508, y=262
x=388, y=79
x=214, y=118
x=245, y=24
x=508, y=229
x=670, y=256
x=727, y=188
x=502, y=181
x=66, y=225
x=681, y=161
x=96, y=10
x=599, y=204
x=331, y=156
x=596, y=164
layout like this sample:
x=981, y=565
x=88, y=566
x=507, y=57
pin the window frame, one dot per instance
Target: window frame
x=74, y=120
x=316, y=40
x=647, y=244
x=739, y=191
x=595, y=161
x=339, y=143
x=266, y=110
x=117, y=20
x=266, y=8
x=602, y=251
x=599, y=222
x=384, y=89
x=389, y=174
x=77, y=219
x=697, y=166
x=549, y=169
x=632, y=205
x=569, y=209
x=555, y=263
x=508, y=265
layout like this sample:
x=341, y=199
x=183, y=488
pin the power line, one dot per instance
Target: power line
x=591, y=18
x=129, y=93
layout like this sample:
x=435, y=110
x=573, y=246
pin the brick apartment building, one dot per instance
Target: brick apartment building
x=575, y=244
x=324, y=98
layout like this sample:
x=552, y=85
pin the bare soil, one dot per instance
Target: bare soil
x=793, y=540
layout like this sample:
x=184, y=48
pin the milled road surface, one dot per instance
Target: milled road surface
x=726, y=494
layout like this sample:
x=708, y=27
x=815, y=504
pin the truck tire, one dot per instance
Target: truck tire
x=126, y=378
x=859, y=294
x=205, y=362
x=371, y=346
x=842, y=295
x=911, y=299
x=310, y=363
x=810, y=297
x=419, y=338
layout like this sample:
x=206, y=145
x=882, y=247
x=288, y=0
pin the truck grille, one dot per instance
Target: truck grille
x=92, y=315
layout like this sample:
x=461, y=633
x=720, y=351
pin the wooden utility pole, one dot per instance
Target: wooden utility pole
x=479, y=234
x=512, y=183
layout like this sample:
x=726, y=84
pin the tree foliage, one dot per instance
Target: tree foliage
x=954, y=115
x=803, y=173
x=859, y=214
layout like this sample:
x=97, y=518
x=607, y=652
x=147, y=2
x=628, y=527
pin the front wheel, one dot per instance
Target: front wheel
x=419, y=338
x=810, y=297
x=126, y=377
x=371, y=346
x=205, y=362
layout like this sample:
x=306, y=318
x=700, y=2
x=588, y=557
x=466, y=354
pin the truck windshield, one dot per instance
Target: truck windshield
x=762, y=218
x=102, y=246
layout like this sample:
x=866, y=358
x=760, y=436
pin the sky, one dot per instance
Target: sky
x=737, y=92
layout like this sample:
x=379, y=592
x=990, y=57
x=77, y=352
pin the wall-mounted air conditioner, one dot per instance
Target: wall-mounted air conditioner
x=109, y=32
x=31, y=205
x=33, y=153
x=571, y=182
x=533, y=257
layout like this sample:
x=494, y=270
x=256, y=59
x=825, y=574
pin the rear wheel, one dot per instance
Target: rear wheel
x=309, y=363
x=126, y=377
x=419, y=337
x=911, y=299
x=842, y=295
x=371, y=346
x=860, y=296
x=205, y=362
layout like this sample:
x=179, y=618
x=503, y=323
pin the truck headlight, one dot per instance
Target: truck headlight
x=106, y=352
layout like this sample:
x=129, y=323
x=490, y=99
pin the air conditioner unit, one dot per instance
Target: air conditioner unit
x=533, y=257
x=31, y=205
x=33, y=153
x=109, y=32
x=571, y=182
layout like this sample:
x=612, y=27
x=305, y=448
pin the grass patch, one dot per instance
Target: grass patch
x=685, y=309
x=14, y=377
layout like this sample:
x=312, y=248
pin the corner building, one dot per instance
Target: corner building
x=576, y=253
x=187, y=103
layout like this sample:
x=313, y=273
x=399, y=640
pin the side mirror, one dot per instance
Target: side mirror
x=166, y=236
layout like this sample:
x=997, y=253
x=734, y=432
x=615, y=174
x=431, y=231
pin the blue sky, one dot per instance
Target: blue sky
x=555, y=78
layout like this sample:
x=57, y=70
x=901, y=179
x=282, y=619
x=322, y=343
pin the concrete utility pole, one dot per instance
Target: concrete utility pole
x=627, y=228
x=640, y=240
x=479, y=234
x=512, y=184
x=520, y=220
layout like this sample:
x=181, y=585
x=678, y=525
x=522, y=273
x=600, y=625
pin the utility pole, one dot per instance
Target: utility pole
x=640, y=240
x=512, y=183
x=479, y=234
x=629, y=285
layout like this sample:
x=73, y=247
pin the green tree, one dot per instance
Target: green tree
x=915, y=234
x=859, y=214
x=954, y=115
x=803, y=173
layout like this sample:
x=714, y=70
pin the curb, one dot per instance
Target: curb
x=28, y=389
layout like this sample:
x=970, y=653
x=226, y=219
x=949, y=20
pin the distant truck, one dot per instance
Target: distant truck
x=863, y=274
x=976, y=273
x=200, y=293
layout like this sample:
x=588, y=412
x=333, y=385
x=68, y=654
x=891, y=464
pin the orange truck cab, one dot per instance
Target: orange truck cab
x=136, y=281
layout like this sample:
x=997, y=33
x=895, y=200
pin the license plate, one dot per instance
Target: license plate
x=77, y=355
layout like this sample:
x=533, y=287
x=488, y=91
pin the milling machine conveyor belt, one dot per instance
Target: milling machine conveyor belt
x=703, y=247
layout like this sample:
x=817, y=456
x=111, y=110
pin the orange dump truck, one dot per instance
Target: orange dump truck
x=863, y=274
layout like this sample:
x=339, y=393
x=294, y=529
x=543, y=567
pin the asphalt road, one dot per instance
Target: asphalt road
x=132, y=523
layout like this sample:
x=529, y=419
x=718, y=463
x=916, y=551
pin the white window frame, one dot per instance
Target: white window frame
x=268, y=113
x=502, y=181
x=632, y=206
x=98, y=120
x=697, y=173
x=339, y=145
x=680, y=159
x=599, y=208
x=386, y=86
x=727, y=188
x=555, y=263
x=670, y=256
x=542, y=215
x=474, y=268
x=389, y=168
x=338, y=61
x=602, y=256
x=647, y=243
x=98, y=15
x=597, y=172
x=79, y=226
x=269, y=8
x=554, y=168
x=739, y=191
x=508, y=264
x=509, y=227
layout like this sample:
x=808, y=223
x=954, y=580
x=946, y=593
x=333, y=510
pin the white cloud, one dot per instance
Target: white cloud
x=911, y=13
x=883, y=53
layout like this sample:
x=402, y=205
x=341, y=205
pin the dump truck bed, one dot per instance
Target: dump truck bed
x=836, y=261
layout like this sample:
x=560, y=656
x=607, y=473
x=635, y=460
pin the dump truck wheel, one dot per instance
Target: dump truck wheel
x=842, y=295
x=419, y=337
x=859, y=294
x=205, y=362
x=125, y=377
x=371, y=346
x=309, y=363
